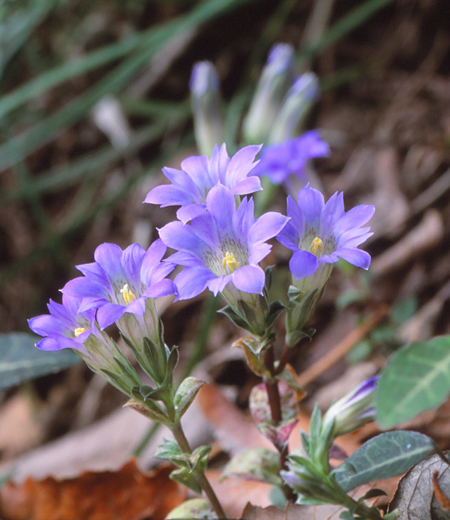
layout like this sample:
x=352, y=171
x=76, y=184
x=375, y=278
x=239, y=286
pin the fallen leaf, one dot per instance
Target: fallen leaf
x=234, y=493
x=125, y=494
x=235, y=431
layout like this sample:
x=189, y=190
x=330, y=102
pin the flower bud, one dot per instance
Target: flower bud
x=272, y=87
x=296, y=105
x=353, y=410
x=206, y=107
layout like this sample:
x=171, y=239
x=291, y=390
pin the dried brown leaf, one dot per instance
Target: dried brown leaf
x=125, y=494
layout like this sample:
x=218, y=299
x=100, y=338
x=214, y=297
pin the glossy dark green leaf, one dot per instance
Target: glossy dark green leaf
x=384, y=456
x=20, y=360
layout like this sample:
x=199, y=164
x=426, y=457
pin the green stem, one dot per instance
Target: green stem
x=183, y=443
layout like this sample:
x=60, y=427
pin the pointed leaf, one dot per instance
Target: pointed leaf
x=20, y=360
x=384, y=456
x=186, y=394
x=419, y=378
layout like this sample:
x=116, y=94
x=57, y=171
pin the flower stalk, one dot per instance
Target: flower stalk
x=183, y=443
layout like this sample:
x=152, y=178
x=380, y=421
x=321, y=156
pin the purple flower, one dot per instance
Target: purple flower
x=320, y=233
x=191, y=185
x=68, y=327
x=120, y=282
x=65, y=326
x=222, y=246
x=278, y=161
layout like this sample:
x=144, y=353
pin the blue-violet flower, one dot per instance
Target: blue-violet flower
x=191, y=185
x=320, y=233
x=221, y=249
x=122, y=286
x=279, y=161
x=68, y=327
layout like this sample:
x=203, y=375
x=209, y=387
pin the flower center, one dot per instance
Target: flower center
x=316, y=246
x=229, y=262
x=128, y=295
x=79, y=330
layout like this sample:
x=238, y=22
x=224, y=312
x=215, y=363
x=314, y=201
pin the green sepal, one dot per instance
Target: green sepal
x=157, y=357
x=184, y=477
x=172, y=362
x=275, y=309
x=113, y=378
x=237, y=319
x=186, y=394
x=268, y=278
x=300, y=308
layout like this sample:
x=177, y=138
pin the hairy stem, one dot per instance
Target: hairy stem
x=183, y=443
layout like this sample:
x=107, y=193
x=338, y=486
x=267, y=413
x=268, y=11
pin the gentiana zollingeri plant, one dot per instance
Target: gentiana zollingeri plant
x=219, y=244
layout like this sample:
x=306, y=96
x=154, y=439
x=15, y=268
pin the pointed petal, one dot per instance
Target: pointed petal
x=355, y=257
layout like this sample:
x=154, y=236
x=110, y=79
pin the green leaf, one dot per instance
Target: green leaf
x=384, y=456
x=20, y=360
x=418, y=376
x=183, y=476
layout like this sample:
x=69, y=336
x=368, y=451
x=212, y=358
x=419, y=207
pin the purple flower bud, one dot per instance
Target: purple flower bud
x=353, y=410
x=206, y=106
x=272, y=87
x=298, y=102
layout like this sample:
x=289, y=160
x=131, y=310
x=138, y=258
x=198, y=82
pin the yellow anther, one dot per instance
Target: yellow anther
x=230, y=262
x=79, y=330
x=128, y=295
x=316, y=246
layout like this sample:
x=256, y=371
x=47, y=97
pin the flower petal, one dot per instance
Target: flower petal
x=303, y=264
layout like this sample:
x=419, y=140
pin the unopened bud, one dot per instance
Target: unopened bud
x=353, y=410
x=272, y=87
x=206, y=107
x=296, y=105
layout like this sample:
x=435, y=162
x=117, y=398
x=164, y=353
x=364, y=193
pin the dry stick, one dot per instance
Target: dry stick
x=183, y=443
x=342, y=348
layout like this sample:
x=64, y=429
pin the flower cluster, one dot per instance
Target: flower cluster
x=220, y=245
x=119, y=287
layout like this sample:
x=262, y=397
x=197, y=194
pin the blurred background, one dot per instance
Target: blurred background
x=94, y=101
